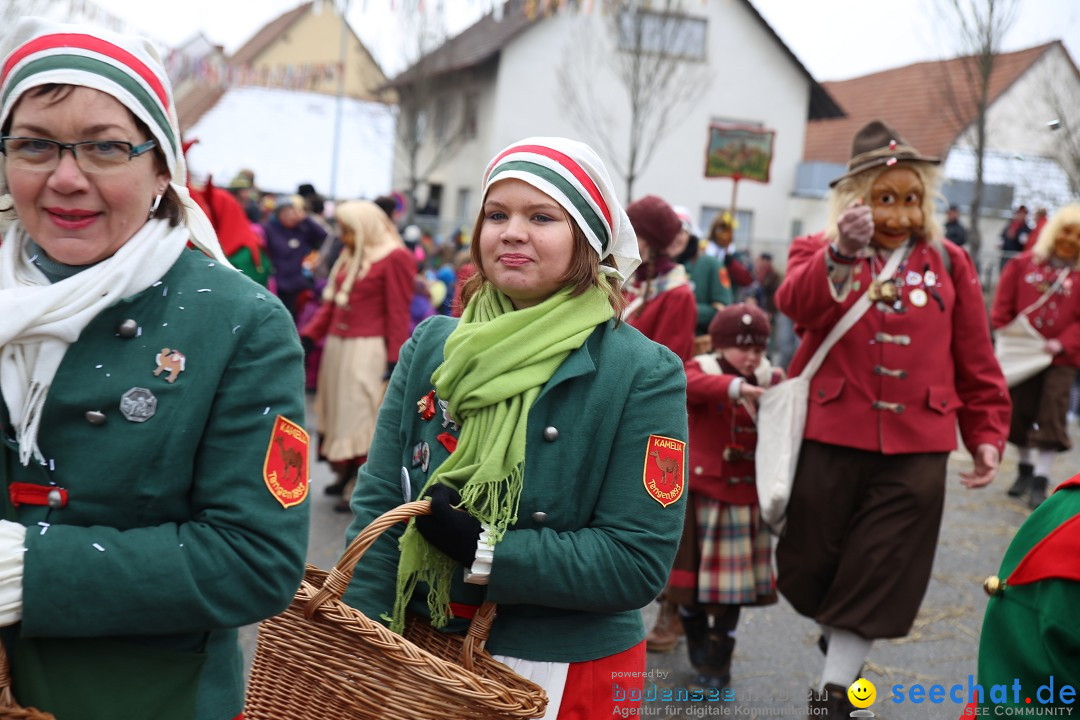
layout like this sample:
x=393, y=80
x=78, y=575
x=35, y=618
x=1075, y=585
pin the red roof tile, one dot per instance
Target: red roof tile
x=928, y=103
x=249, y=52
x=197, y=102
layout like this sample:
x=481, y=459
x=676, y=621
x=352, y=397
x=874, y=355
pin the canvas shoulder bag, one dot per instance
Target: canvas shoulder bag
x=1020, y=348
x=782, y=416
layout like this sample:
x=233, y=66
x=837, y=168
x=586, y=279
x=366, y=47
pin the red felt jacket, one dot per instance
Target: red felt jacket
x=718, y=423
x=669, y=319
x=1023, y=282
x=932, y=365
x=378, y=305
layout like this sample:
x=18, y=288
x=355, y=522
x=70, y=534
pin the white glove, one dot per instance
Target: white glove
x=12, y=553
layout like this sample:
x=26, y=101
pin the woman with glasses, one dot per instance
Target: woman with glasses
x=152, y=442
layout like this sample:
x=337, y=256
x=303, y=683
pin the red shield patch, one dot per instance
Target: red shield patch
x=663, y=475
x=285, y=469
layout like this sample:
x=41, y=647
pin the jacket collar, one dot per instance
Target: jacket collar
x=579, y=362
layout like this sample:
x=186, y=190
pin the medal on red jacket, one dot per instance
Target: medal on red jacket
x=883, y=291
x=663, y=475
x=285, y=469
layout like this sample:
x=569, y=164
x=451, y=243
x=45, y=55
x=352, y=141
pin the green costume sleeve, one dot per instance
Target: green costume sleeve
x=621, y=560
x=234, y=554
x=708, y=289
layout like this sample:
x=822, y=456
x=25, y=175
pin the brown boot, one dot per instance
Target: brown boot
x=832, y=702
x=665, y=633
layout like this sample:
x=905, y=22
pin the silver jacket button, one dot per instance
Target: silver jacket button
x=95, y=417
x=539, y=517
x=56, y=500
x=127, y=329
x=551, y=433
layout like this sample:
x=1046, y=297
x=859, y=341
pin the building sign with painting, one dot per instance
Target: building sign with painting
x=739, y=152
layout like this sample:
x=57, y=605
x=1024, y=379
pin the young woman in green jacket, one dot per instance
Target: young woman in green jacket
x=550, y=437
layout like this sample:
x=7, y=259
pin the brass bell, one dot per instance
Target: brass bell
x=993, y=585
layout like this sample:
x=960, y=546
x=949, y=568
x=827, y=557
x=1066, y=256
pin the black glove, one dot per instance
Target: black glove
x=452, y=532
x=307, y=343
x=390, y=365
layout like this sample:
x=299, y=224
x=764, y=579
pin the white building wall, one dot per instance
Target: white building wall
x=463, y=170
x=1018, y=120
x=751, y=80
x=747, y=77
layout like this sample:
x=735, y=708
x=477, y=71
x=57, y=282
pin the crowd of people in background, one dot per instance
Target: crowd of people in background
x=358, y=280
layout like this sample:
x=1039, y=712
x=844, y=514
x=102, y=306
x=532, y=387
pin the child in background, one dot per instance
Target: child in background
x=724, y=559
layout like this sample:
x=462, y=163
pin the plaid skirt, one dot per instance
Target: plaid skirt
x=725, y=557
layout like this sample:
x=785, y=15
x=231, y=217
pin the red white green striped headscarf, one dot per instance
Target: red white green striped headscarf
x=40, y=52
x=572, y=174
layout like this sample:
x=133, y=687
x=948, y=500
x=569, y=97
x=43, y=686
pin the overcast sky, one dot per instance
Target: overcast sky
x=834, y=39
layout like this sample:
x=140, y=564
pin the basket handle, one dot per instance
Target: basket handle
x=337, y=581
x=8, y=707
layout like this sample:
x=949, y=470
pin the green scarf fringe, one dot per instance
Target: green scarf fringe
x=495, y=364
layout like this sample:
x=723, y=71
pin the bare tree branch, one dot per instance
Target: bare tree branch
x=981, y=26
x=431, y=118
x=648, y=53
x=1060, y=99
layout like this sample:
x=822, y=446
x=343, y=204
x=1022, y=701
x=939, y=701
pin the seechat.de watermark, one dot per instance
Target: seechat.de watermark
x=1049, y=698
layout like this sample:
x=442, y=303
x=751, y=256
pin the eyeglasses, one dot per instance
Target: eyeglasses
x=92, y=156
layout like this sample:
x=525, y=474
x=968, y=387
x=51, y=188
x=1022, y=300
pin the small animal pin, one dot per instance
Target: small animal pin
x=171, y=360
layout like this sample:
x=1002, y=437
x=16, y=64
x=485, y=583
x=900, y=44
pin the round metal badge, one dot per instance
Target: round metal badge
x=138, y=404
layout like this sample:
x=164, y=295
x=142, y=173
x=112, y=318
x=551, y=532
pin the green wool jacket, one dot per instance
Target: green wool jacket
x=244, y=261
x=709, y=288
x=170, y=538
x=1030, y=632
x=591, y=546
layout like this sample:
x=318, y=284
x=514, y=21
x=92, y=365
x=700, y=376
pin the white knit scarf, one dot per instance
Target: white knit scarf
x=39, y=319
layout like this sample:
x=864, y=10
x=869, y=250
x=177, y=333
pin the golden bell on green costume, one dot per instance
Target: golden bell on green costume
x=993, y=585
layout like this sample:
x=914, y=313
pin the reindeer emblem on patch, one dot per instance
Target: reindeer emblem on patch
x=663, y=474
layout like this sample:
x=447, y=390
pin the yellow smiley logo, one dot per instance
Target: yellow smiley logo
x=862, y=693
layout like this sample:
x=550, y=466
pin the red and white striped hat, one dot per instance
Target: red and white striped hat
x=40, y=52
x=572, y=174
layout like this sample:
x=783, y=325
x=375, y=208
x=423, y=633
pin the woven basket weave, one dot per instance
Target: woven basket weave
x=9, y=709
x=323, y=659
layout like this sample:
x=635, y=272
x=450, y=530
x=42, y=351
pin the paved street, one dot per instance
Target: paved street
x=776, y=659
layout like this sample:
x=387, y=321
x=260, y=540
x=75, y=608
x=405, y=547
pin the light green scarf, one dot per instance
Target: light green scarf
x=495, y=363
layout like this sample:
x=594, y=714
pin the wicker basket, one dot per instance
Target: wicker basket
x=323, y=659
x=9, y=709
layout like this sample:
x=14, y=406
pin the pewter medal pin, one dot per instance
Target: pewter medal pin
x=421, y=456
x=448, y=419
x=138, y=404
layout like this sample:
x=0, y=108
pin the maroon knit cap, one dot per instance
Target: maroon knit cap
x=654, y=221
x=739, y=325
